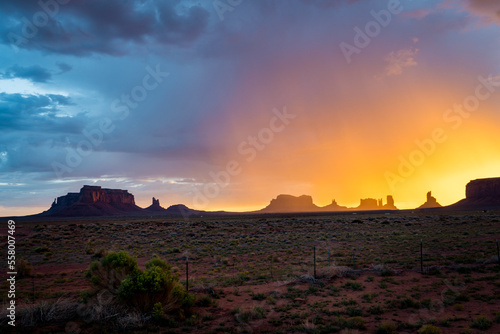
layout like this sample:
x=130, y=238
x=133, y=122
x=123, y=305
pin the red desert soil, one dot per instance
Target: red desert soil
x=257, y=270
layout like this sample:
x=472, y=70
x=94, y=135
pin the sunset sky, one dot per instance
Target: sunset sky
x=225, y=104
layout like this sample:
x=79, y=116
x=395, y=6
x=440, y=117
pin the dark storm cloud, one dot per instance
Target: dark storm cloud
x=63, y=68
x=31, y=126
x=85, y=27
x=38, y=113
x=34, y=73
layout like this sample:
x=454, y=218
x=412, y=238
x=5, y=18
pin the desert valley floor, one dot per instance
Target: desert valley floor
x=256, y=273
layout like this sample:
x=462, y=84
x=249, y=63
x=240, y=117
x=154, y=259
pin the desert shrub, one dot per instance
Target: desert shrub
x=355, y=323
x=46, y=312
x=158, y=312
x=109, y=272
x=146, y=290
x=24, y=268
x=246, y=316
x=100, y=253
x=353, y=286
x=387, y=327
x=143, y=289
x=429, y=329
x=375, y=310
x=205, y=301
x=42, y=249
x=404, y=302
x=157, y=262
x=332, y=272
x=259, y=296
x=353, y=311
x=467, y=331
x=434, y=271
x=482, y=322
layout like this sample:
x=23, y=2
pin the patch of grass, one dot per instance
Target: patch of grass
x=355, y=286
x=387, y=327
x=375, y=310
x=429, y=329
x=482, y=322
x=259, y=296
x=404, y=302
x=355, y=323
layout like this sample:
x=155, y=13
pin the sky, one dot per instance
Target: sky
x=225, y=104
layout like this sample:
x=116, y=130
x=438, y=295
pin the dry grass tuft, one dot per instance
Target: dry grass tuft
x=332, y=272
x=47, y=312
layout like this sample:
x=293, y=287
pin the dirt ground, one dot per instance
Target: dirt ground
x=256, y=274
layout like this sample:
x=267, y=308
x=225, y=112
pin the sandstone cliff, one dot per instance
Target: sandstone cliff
x=480, y=194
x=430, y=203
x=155, y=206
x=304, y=203
x=93, y=201
x=289, y=203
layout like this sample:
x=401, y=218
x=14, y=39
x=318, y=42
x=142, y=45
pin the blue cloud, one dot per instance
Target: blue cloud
x=33, y=73
x=82, y=28
x=36, y=113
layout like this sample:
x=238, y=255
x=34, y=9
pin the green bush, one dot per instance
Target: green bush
x=355, y=323
x=158, y=312
x=157, y=262
x=482, y=322
x=108, y=272
x=387, y=327
x=259, y=296
x=375, y=310
x=156, y=289
x=429, y=329
x=143, y=289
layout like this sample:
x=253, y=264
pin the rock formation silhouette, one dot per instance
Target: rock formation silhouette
x=304, y=203
x=481, y=194
x=289, y=203
x=430, y=203
x=390, y=203
x=93, y=201
x=368, y=204
x=155, y=206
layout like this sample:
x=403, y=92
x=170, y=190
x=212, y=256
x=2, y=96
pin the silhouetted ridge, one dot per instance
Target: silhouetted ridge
x=304, y=203
x=155, y=206
x=430, y=203
x=93, y=201
x=480, y=194
x=289, y=203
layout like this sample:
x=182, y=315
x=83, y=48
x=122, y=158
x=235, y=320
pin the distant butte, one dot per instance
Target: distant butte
x=431, y=202
x=304, y=203
x=481, y=194
x=155, y=206
x=93, y=201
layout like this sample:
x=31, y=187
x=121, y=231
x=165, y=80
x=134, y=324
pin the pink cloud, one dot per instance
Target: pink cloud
x=487, y=10
x=397, y=61
x=418, y=14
